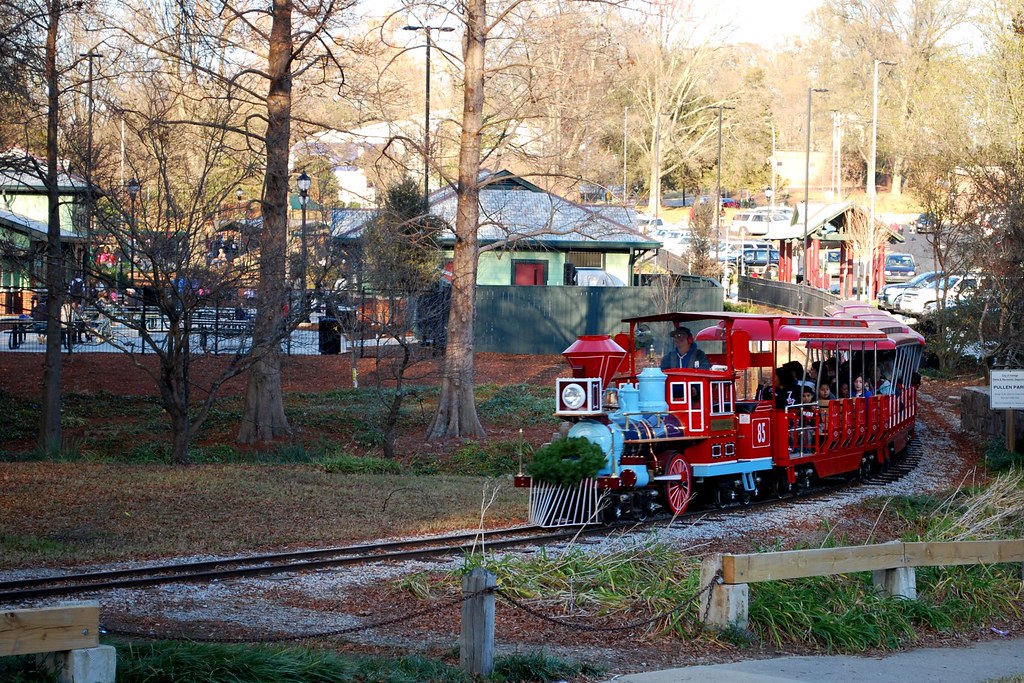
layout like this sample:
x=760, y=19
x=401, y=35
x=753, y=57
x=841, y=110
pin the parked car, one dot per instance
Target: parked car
x=887, y=295
x=924, y=223
x=832, y=262
x=925, y=300
x=674, y=240
x=900, y=267
x=758, y=262
x=646, y=224
x=730, y=203
x=759, y=221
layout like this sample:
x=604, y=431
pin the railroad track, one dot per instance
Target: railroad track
x=277, y=563
x=422, y=548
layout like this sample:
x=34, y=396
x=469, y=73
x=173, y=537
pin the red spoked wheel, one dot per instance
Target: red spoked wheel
x=678, y=493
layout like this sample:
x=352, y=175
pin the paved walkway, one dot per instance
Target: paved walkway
x=981, y=662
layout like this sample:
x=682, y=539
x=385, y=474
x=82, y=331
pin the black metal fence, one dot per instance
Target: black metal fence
x=793, y=298
x=116, y=327
x=510, y=319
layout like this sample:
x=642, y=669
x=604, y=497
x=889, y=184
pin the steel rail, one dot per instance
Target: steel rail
x=411, y=549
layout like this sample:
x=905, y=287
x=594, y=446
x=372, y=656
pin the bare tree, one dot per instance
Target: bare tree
x=223, y=45
x=915, y=35
x=162, y=236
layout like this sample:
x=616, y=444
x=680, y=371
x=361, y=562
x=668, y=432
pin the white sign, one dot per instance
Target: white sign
x=1007, y=390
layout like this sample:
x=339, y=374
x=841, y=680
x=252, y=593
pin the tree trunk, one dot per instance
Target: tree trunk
x=456, y=411
x=897, y=184
x=263, y=418
x=180, y=436
x=50, y=432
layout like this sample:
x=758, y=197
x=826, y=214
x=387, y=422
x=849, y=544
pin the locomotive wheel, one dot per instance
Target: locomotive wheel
x=678, y=493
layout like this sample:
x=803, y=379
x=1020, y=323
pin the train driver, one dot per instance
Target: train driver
x=686, y=353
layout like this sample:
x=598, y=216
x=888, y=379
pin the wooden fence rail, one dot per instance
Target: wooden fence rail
x=67, y=635
x=892, y=565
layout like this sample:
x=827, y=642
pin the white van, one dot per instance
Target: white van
x=646, y=224
x=758, y=221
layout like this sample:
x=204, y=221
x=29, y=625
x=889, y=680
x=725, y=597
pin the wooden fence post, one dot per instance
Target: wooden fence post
x=476, y=644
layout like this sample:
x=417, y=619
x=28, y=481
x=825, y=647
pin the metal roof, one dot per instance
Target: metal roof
x=34, y=229
x=21, y=173
x=517, y=212
x=822, y=223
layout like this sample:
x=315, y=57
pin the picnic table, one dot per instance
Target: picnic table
x=17, y=327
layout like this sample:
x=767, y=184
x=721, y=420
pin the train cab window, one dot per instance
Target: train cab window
x=678, y=392
x=696, y=394
x=721, y=398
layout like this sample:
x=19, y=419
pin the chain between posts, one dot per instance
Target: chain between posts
x=715, y=580
x=309, y=636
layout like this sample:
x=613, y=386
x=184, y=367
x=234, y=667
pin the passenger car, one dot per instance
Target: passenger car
x=759, y=221
x=925, y=300
x=887, y=295
x=924, y=223
x=759, y=261
x=900, y=267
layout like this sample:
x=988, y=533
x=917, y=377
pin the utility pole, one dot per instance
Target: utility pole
x=807, y=189
x=426, y=111
x=871, y=182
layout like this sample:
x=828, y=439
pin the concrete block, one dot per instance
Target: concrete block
x=896, y=583
x=728, y=604
x=88, y=665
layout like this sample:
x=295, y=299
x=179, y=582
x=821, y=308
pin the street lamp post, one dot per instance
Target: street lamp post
x=133, y=191
x=807, y=185
x=871, y=181
x=426, y=109
x=303, y=184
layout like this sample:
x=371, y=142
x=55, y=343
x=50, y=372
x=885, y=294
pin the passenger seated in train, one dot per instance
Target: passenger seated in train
x=883, y=382
x=808, y=426
x=860, y=390
x=800, y=377
x=785, y=388
x=844, y=389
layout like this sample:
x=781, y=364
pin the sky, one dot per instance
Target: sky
x=765, y=22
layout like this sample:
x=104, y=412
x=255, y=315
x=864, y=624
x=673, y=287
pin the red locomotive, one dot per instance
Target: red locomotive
x=756, y=419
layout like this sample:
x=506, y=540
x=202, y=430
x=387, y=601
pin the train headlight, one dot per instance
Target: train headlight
x=573, y=396
x=578, y=396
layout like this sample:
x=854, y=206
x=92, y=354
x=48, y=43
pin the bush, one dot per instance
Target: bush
x=518, y=403
x=567, y=462
x=998, y=459
x=488, y=459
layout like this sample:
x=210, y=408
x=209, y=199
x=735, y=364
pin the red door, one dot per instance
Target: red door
x=530, y=273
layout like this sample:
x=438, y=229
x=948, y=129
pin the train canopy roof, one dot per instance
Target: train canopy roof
x=779, y=328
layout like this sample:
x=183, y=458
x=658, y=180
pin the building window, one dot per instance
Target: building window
x=585, y=259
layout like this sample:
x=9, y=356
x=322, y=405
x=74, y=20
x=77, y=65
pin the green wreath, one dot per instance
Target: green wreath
x=567, y=462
